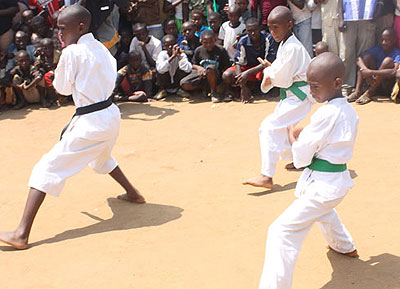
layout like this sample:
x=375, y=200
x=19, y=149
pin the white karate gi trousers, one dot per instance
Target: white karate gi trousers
x=273, y=132
x=287, y=232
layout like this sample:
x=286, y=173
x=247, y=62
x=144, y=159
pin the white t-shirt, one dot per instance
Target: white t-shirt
x=397, y=12
x=178, y=10
x=228, y=35
x=299, y=15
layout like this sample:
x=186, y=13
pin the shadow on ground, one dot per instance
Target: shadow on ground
x=379, y=272
x=130, y=109
x=126, y=216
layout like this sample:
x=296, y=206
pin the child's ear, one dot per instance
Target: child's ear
x=290, y=25
x=82, y=27
x=338, y=83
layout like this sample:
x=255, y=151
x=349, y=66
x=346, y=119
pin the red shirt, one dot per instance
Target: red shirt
x=51, y=5
x=266, y=7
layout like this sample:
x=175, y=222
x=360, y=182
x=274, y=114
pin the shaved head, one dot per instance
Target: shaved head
x=76, y=14
x=327, y=64
x=280, y=13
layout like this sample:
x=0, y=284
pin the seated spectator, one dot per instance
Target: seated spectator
x=147, y=45
x=27, y=82
x=40, y=27
x=20, y=43
x=8, y=9
x=214, y=21
x=378, y=67
x=190, y=42
x=256, y=43
x=321, y=47
x=230, y=30
x=27, y=17
x=199, y=20
x=174, y=8
x=209, y=61
x=46, y=63
x=244, y=11
x=123, y=47
x=172, y=65
x=6, y=96
x=134, y=80
x=28, y=31
x=171, y=28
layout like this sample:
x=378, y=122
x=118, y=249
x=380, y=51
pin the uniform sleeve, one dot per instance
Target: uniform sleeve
x=184, y=64
x=283, y=69
x=312, y=138
x=162, y=63
x=65, y=73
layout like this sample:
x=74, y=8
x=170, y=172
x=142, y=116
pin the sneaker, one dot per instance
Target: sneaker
x=228, y=97
x=214, y=97
x=161, y=95
x=182, y=93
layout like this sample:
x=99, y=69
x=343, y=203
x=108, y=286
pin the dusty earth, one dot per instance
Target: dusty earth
x=201, y=228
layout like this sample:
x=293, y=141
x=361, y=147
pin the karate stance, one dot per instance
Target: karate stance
x=288, y=72
x=87, y=71
x=323, y=147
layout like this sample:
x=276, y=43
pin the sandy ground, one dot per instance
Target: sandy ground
x=201, y=229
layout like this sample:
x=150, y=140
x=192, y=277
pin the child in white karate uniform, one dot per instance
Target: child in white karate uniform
x=288, y=72
x=89, y=138
x=323, y=148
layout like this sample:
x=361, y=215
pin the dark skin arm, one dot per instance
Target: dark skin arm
x=9, y=11
x=185, y=11
x=201, y=70
x=366, y=72
x=170, y=6
x=33, y=83
x=298, y=3
x=242, y=77
x=149, y=59
x=341, y=22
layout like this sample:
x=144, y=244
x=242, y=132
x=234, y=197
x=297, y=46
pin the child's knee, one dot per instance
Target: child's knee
x=387, y=63
x=228, y=76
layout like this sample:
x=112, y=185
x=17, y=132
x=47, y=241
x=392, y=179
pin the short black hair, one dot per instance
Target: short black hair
x=38, y=20
x=168, y=36
x=209, y=33
x=139, y=26
x=252, y=21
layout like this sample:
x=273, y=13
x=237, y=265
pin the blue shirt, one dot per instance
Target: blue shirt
x=247, y=53
x=378, y=53
x=202, y=29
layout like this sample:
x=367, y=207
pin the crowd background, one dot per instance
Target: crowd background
x=166, y=47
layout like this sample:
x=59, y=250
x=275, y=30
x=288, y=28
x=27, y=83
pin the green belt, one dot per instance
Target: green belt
x=294, y=88
x=325, y=166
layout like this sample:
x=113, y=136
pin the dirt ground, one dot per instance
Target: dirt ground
x=201, y=228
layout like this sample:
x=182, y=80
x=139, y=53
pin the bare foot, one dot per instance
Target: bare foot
x=352, y=254
x=364, y=99
x=133, y=198
x=261, y=181
x=11, y=238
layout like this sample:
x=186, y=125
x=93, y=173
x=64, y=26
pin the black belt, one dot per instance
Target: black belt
x=88, y=109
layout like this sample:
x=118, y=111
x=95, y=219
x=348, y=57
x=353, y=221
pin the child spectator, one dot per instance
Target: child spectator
x=40, y=27
x=378, y=67
x=214, y=22
x=172, y=65
x=27, y=82
x=190, y=42
x=27, y=17
x=321, y=47
x=148, y=46
x=47, y=61
x=265, y=7
x=134, y=80
x=230, y=30
x=202, y=6
x=209, y=61
x=302, y=23
x=123, y=47
x=288, y=72
x=171, y=28
x=28, y=31
x=244, y=11
x=198, y=20
x=45, y=8
x=5, y=82
x=256, y=43
x=20, y=43
x=316, y=22
x=175, y=10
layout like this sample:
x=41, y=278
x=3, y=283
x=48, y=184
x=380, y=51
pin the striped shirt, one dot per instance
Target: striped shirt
x=354, y=10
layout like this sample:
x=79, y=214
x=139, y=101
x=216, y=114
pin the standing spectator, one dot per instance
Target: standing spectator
x=330, y=29
x=8, y=8
x=316, y=22
x=199, y=20
x=384, y=17
x=46, y=8
x=190, y=42
x=175, y=9
x=214, y=21
x=302, y=23
x=266, y=7
x=358, y=33
x=149, y=13
x=205, y=6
